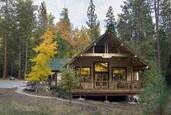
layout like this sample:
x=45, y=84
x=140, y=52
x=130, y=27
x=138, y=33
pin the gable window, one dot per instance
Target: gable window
x=118, y=73
x=99, y=49
x=84, y=73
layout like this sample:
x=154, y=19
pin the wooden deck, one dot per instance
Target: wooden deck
x=104, y=92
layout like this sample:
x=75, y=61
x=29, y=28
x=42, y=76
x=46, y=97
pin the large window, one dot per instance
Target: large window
x=118, y=73
x=101, y=67
x=84, y=73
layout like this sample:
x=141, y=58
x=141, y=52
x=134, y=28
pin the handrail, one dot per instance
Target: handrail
x=113, y=84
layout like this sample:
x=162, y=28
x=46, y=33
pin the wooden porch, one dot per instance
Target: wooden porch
x=114, y=88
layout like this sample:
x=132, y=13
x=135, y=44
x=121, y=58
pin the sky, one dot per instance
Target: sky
x=78, y=9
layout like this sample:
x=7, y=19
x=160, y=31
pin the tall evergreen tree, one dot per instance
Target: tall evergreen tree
x=43, y=16
x=110, y=21
x=25, y=24
x=135, y=26
x=93, y=24
x=42, y=21
x=6, y=27
x=157, y=13
x=168, y=73
x=64, y=26
x=165, y=32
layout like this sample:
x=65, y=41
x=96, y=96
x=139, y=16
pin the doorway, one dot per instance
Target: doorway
x=101, y=75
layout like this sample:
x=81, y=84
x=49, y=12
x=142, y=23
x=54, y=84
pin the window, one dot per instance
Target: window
x=119, y=74
x=99, y=49
x=101, y=67
x=83, y=72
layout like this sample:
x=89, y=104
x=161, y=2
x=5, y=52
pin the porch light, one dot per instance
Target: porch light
x=106, y=55
x=135, y=56
x=147, y=67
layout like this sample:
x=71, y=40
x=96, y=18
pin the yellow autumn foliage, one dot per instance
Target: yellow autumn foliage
x=45, y=52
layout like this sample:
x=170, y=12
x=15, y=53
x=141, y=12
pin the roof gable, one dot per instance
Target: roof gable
x=115, y=46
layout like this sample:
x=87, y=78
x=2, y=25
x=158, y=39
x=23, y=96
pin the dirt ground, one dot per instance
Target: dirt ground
x=12, y=103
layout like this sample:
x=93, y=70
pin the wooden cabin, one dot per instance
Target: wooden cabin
x=108, y=67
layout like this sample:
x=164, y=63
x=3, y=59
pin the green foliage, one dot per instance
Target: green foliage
x=168, y=73
x=155, y=95
x=60, y=92
x=110, y=21
x=165, y=33
x=136, y=27
x=63, y=27
x=43, y=19
x=69, y=80
x=63, y=47
x=93, y=24
x=16, y=27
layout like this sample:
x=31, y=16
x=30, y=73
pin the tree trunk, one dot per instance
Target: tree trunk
x=70, y=97
x=5, y=59
x=56, y=79
x=26, y=59
x=5, y=43
x=19, y=63
x=162, y=112
x=156, y=8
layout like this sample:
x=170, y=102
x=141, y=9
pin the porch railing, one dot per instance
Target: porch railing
x=113, y=85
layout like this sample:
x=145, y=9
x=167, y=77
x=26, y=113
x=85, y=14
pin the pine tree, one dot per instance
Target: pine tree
x=168, y=73
x=45, y=52
x=43, y=16
x=165, y=33
x=135, y=26
x=64, y=26
x=110, y=21
x=7, y=15
x=25, y=19
x=157, y=14
x=42, y=22
x=69, y=81
x=93, y=24
x=155, y=95
x=63, y=47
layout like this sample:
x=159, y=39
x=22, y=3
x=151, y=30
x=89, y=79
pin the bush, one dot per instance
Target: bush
x=60, y=92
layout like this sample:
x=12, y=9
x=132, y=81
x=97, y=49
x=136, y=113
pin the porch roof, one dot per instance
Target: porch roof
x=57, y=64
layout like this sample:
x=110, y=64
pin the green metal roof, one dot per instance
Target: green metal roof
x=57, y=64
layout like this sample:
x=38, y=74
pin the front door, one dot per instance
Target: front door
x=101, y=75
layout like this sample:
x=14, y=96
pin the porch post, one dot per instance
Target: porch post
x=131, y=73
